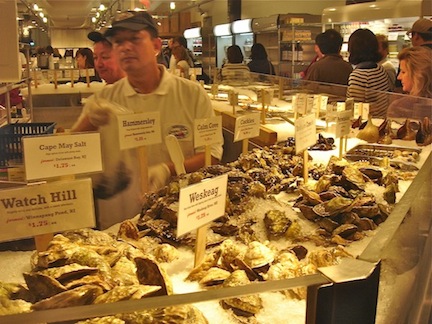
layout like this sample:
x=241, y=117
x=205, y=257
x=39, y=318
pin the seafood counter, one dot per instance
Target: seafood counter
x=276, y=226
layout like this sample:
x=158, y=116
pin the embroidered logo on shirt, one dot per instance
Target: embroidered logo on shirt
x=179, y=131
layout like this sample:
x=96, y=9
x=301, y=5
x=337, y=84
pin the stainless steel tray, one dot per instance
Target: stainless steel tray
x=374, y=153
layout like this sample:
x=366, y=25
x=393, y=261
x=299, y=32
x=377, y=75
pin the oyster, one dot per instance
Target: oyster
x=276, y=222
x=166, y=253
x=215, y=276
x=228, y=252
x=245, y=305
x=311, y=197
x=120, y=293
x=8, y=306
x=128, y=230
x=173, y=314
x=42, y=286
x=149, y=272
x=345, y=231
x=333, y=207
x=69, y=272
x=258, y=255
x=83, y=295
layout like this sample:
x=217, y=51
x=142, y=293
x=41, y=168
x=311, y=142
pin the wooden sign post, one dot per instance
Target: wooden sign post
x=305, y=136
x=206, y=133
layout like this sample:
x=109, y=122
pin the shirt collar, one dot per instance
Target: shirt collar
x=162, y=88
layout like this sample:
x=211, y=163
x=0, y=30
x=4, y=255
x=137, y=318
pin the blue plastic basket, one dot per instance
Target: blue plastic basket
x=10, y=139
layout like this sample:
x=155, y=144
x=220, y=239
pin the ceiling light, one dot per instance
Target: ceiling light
x=172, y=5
x=102, y=7
x=45, y=19
x=41, y=14
x=35, y=7
x=93, y=19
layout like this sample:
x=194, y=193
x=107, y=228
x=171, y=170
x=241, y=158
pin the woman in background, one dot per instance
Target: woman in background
x=84, y=59
x=181, y=59
x=416, y=77
x=368, y=78
x=259, y=61
x=235, y=70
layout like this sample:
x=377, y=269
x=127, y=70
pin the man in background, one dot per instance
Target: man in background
x=331, y=68
x=421, y=33
x=383, y=49
x=104, y=59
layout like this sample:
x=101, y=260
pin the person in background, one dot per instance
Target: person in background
x=176, y=42
x=235, y=70
x=368, y=80
x=331, y=67
x=416, y=77
x=317, y=57
x=52, y=51
x=259, y=61
x=84, y=59
x=147, y=88
x=181, y=56
x=421, y=33
x=105, y=60
x=383, y=49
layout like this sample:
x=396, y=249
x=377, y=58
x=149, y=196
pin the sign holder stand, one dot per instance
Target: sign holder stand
x=263, y=110
x=305, y=166
x=87, y=78
x=55, y=79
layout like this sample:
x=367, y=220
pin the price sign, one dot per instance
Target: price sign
x=198, y=71
x=208, y=131
x=75, y=74
x=247, y=126
x=67, y=74
x=343, y=123
x=301, y=104
x=137, y=130
x=365, y=110
x=305, y=132
x=201, y=203
x=46, y=208
x=59, y=155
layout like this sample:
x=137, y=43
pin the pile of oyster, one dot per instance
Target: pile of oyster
x=340, y=205
x=256, y=174
x=232, y=265
x=85, y=267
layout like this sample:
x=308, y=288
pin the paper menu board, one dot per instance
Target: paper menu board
x=201, y=203
x=305, y=132
x=46, y=208
x=58, y=155
x=247, y=126
x=208, y=131
x=137, y=130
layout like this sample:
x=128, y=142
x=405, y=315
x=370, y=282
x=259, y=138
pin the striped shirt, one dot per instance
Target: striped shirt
x=235, y=74
x=368, y=85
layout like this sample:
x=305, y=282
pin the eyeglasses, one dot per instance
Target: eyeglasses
x=410, y=34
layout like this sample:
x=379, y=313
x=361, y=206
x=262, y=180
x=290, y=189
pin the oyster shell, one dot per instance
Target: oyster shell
x=258, y=255
x=215, y=276
x=120, y=293
x=166, y=253
x=276, y=222
x=245, y=305
x=42, y=286
x=83, y=295
x=333, y=207
x=149, y=272
x=69, y=272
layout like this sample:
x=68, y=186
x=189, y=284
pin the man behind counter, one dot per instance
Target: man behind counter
x=105, y=61
x=148, y=87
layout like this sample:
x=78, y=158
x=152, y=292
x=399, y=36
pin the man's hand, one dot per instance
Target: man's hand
x=158, y=176
x=99, y=112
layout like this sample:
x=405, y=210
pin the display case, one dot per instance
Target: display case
x=384, y=279
x=290, y=46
